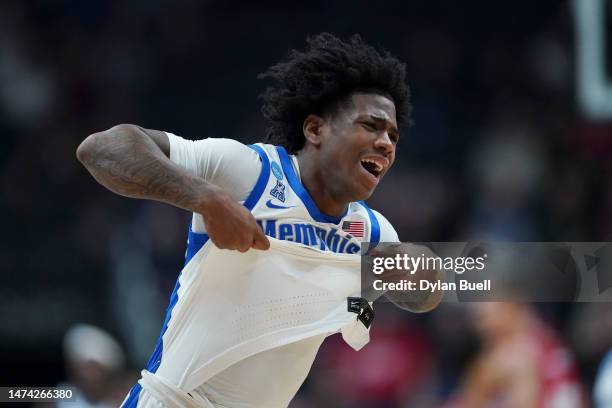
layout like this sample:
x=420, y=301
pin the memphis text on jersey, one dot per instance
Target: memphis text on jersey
x=327, y=239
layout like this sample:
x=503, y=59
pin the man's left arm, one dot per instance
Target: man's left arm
x=416, y=301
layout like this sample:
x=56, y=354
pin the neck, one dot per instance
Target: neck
x=314, y=182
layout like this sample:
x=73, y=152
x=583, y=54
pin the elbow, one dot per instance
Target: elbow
x=85, y=151
x=425, y=297
x=434, y=297
x=93, y=145
x=432, y=302
x=423, y=305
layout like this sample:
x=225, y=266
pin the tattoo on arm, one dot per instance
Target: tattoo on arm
x=133, y=162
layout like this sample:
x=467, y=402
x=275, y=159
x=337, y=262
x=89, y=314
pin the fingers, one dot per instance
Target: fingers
x=253, y=237
x=233, y=227
x=260, y=241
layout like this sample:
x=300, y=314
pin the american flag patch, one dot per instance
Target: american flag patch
x=355, y=228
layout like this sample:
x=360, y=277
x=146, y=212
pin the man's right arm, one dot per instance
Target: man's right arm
x=134, y=162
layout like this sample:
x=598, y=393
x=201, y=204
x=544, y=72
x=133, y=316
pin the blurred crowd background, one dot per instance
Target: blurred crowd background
x=500, y=150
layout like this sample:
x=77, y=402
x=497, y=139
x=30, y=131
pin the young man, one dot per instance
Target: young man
x=334, y=113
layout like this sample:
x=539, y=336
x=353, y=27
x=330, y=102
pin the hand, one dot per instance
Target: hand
x=417, y=301
x=229, y=224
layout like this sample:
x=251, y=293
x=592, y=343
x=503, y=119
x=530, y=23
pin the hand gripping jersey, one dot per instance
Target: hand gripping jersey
x=227, y=306
x=285, y=211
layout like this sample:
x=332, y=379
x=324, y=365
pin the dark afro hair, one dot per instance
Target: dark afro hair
x=317, y=80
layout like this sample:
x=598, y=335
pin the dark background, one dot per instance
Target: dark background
x=500, y=150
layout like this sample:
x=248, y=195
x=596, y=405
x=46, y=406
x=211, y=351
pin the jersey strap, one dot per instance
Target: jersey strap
x=297, y=186
x=195, y=241
x=262, y=181
x=374, y=225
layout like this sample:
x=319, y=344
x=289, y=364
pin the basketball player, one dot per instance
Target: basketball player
x=334, y=112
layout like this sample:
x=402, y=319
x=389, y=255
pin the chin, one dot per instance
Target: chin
x=355, y=191
x=362, y=194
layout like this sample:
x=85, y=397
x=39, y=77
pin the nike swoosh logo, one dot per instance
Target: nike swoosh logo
x=270, y=204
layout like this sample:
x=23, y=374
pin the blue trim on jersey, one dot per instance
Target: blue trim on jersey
x=374, y=225
x=132, y=399
x=262, y=181
x=195, y=242
x=297, y=186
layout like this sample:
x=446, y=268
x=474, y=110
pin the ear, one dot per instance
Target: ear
x=312, y=128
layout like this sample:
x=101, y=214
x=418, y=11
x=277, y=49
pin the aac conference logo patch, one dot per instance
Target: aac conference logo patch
x=278, y=191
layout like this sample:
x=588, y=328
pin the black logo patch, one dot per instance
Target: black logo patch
x=360, y=306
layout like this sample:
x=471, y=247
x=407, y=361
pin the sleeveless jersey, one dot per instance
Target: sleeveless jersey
x=285, y=211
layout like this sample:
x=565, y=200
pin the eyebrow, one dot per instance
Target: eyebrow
x=381, y=119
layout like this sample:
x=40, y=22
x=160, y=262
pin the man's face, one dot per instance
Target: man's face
x=358, y=145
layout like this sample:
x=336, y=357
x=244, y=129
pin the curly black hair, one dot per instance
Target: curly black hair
x=319, y=79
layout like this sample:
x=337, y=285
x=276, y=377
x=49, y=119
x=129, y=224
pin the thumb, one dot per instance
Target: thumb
x=260, y=241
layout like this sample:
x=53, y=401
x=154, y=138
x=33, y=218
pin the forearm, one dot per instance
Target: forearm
x=416, y=299
x=419, y=301
x=127, y=161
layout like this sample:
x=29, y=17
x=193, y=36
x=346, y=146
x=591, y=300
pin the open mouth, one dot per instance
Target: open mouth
x=372, y=167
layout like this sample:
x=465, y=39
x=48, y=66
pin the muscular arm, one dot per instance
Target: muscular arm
x=133, y=162
x=412, y=300
x=416, y=301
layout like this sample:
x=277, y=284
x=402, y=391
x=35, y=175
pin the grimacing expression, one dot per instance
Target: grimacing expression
x=358, y=145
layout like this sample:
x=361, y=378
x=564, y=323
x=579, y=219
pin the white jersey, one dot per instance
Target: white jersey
x=284, y=209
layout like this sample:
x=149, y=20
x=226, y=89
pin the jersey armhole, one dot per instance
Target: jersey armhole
x=262, y=181
x=374, y=226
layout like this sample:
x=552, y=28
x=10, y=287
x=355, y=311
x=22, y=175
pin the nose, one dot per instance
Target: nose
x=384, y=144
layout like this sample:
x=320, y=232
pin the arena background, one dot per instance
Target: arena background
x=502, y=149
